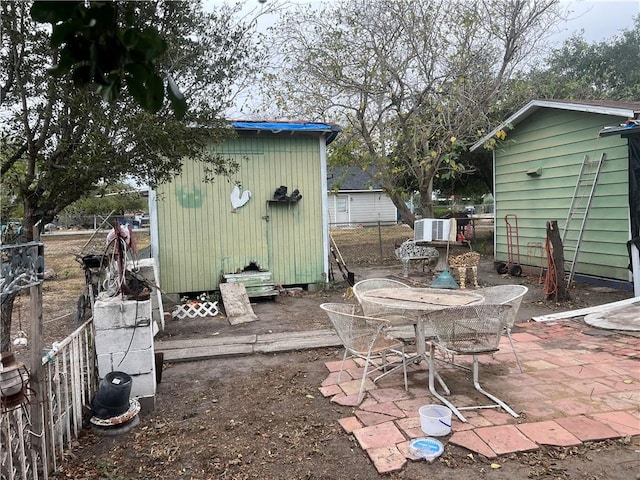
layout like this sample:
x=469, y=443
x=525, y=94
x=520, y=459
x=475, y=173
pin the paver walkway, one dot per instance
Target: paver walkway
x=579, y=384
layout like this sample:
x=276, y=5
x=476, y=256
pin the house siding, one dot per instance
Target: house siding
x=365, y=207
x=200, y=237
x=557, y=141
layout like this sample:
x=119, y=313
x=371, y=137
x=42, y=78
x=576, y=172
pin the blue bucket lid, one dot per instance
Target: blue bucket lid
x=426, y=447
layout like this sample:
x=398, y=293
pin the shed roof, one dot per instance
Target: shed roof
x=329, y=130
x=603, y=107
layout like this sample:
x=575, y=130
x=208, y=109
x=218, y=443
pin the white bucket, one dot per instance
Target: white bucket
x=435, y=420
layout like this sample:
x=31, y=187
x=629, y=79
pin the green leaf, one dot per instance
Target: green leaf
x=53, y=11
x=155, y=93
x=62, y=32
x=81, y=75
x=137, y=89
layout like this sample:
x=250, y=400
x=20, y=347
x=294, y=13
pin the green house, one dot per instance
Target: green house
x=202, y=231
x=538, y=179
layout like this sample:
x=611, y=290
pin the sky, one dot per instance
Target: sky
x=600, y=19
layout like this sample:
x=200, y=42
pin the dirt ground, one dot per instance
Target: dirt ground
x=262, y=417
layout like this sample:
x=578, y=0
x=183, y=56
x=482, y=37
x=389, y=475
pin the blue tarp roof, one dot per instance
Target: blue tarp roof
x=279, y=127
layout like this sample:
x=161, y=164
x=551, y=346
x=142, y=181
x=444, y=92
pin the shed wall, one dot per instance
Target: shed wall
x=557, y=141
x=201, y=237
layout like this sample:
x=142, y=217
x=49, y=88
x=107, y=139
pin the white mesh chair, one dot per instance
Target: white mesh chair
x=365, y=338
x=506, y=295
x=469, y=330
x=373, y=309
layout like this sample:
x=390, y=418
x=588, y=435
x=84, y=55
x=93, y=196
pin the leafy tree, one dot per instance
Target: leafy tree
x=118, y=197
x=60, y=138
x=580, y=70
x=410, y=82
x=94, y=47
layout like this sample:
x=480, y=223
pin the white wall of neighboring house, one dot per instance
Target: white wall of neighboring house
x=356, y=207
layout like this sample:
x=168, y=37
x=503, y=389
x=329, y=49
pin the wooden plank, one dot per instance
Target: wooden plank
x=279, y=342
x=584, y=311
x=167, y=345
x=203, y=353
x=236, y=303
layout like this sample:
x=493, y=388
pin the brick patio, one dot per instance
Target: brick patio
x=579, y=384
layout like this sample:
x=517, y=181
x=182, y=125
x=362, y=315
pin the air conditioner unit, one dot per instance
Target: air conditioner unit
x=432, y=229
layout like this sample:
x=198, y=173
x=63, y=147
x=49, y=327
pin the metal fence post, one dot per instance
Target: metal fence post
x=380, y=239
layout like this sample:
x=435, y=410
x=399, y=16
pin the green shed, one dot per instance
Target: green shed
x=204, y=231
x=539, y=177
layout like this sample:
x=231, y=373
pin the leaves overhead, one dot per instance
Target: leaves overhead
x=95, y=45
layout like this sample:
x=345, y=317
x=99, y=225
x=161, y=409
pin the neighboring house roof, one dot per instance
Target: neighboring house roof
x=603, y=107
x=350, y=178
x=330, y=129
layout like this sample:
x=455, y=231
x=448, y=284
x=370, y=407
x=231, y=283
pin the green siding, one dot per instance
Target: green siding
x=557, y=141
x=201, y=240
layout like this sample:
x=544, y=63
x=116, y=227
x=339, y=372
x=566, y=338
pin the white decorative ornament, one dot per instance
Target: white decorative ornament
x=238, y=198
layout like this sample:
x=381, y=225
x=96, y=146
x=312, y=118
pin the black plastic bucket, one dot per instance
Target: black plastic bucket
x=112, y=398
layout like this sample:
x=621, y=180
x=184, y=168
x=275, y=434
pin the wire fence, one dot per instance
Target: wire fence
x=374, y=243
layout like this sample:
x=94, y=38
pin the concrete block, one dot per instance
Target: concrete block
x=134, y=363
x=123, y=339
x=117, y=313
x=149, y=271
x=143, y=385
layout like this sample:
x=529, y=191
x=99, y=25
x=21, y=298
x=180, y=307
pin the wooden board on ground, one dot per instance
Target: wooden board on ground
x=236, y=303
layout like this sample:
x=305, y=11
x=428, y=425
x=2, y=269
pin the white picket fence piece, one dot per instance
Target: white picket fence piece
x=34, y=436
x=196, y=309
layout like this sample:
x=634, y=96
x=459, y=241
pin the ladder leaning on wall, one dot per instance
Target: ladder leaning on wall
x=579, y=210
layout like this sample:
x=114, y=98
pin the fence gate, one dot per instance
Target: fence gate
x=35, y=433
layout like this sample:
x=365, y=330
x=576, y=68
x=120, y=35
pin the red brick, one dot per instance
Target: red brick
x=587, y=429
x=387, y=459
x=505, y=439
x=377, y=436
x=622, y=422
x=471, y=441
x=549, y=433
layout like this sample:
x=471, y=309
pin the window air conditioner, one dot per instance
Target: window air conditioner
x=431, y=229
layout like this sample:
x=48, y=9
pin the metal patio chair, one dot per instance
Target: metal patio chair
x=373, y=309
x=365, y=338
x=506, y=295
x=469, y=330
x=376, y=310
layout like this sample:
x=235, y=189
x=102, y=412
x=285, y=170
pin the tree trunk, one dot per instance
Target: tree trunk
x=555, y=285
x=426, y=202
x=406, y=216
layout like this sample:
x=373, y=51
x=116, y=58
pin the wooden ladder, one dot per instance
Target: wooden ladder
x=579, y=209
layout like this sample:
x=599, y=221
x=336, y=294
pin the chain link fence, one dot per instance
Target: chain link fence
x=369, y=243
x=374, y=243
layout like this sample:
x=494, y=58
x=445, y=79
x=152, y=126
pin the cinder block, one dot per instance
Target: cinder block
x=149, y=271
x=143, y=385
x=123, y=339
x=117, y=313
x=135, y=362
x=105, y=365
x=139, y=362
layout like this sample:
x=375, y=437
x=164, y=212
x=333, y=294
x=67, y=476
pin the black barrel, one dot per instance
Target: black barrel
x=112, y=398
